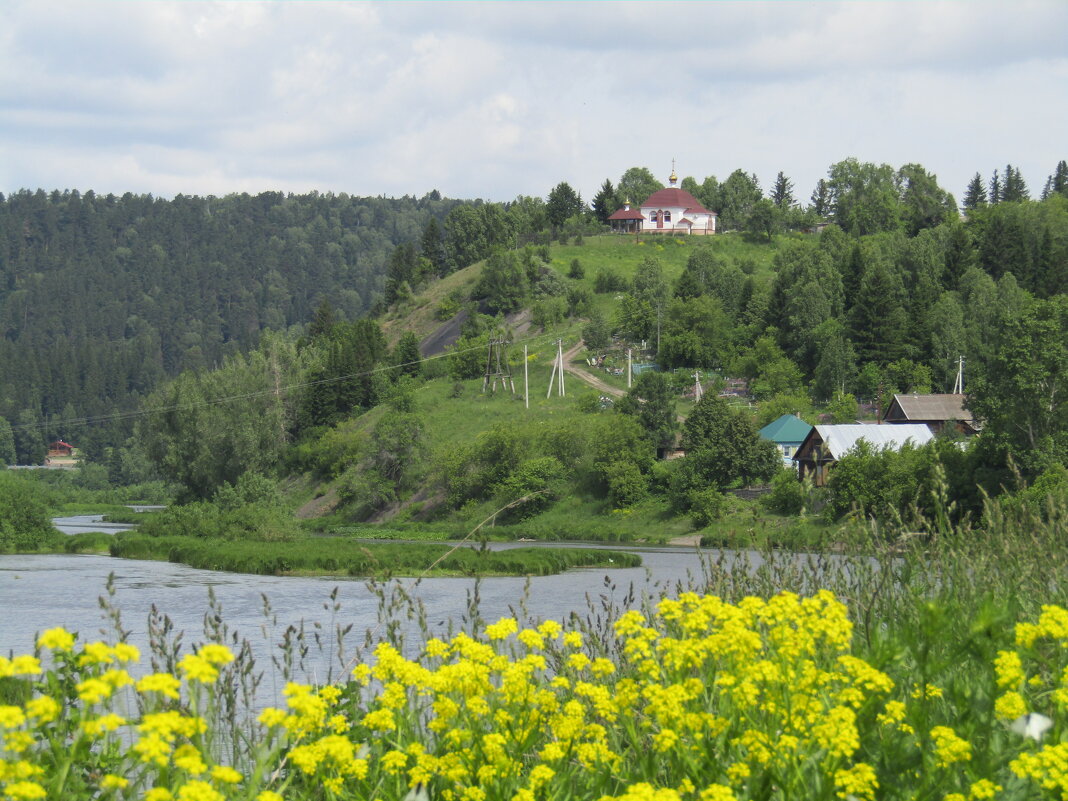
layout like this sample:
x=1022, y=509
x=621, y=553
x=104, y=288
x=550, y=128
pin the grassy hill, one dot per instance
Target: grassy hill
x=458, y=418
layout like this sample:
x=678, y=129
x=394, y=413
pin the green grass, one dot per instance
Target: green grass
x=333, y=556
x=89, y=542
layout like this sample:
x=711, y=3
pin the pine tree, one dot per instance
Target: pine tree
x=975, y=194
x=432, y=246
x=879, y=321
x=605, y=202
x=782, y=194
x=1060, y=178
x=1014, y=188
x=995, y=188
x=821, y=198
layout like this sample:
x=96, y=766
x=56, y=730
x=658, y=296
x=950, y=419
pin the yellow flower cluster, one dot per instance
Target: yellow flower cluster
x=41, y=740
x=696, y=699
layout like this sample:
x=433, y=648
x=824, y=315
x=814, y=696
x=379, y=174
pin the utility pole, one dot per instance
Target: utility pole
x=497, y=367
x=560, y=358
x=558, y=371
x=698, y=393
x=628, y=368
x=526, y=380
x=958, y=385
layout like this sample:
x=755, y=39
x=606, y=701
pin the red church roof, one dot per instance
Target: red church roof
x=673, y=197
x=627, y=214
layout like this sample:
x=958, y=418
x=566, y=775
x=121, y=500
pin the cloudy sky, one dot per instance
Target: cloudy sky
x=494, y=100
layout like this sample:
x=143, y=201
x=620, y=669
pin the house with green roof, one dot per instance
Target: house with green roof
x=787, y=432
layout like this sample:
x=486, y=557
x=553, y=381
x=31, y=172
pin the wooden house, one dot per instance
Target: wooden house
x=934, y=411
x=825, y=445
x=60, y=449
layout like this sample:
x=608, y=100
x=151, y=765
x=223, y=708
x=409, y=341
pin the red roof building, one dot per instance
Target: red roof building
x=675, y=211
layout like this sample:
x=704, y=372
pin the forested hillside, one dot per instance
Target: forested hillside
x=102, y=297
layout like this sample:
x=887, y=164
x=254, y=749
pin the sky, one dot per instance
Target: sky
x=495, y=100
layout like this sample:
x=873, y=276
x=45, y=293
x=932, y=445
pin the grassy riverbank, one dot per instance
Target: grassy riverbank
x=339, y=557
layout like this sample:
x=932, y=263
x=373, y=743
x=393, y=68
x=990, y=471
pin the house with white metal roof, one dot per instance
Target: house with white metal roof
x=825, y=445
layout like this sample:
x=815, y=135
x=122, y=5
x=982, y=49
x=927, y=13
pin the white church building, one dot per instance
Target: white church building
x=668, y=211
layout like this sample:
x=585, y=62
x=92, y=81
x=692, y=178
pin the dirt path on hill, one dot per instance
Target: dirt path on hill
x=588, y=377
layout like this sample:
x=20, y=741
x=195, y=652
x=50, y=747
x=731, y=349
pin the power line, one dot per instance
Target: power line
x=106, y=418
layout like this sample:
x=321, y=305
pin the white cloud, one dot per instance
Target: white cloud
x=495, y=100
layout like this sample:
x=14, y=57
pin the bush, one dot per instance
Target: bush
x=576, y=271
x=24, y=521
x=626, y=484
x=706, y=506
x=608, y=281
x=787, y=496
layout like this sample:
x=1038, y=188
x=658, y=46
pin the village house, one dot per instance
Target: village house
x=825, y=445
x=668, y=211
x=787, y=432
x=934, y=411
x=60, y=449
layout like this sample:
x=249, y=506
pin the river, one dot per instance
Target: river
x=42, y=591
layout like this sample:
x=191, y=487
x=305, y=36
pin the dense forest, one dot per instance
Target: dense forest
x=101, y=297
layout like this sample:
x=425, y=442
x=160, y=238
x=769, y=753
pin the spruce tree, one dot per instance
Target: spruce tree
x=879, y=321
x=975, y=194
x=821, y=198
x=995, y=188
x=605, y=202
x=1059, y=182
x=1014, y=188
x=782, y=194
x=432, y=246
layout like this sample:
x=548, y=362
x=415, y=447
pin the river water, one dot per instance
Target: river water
x=42, y=591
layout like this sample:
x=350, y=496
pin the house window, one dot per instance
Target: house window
x=667, y=216
x=652, y=216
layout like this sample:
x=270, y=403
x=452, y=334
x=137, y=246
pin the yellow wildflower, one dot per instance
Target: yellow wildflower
x=502, y=629
x=1008, y=667
x=11, y=717
x=44, y=709
x=215, y=654
x=984, y=788
x=95, y=653
x=858, y=781
x=113, y=782
x=717, y=792
x=93, y=691
x=1010, y=706
x=57, y=639
x=163, y=683
x=225, y=774
x=199, y=791
x=94, y=727
x=196, y=668
x=24, y=791
x=949, y=748
x=25, y=665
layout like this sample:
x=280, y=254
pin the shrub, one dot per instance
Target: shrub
x=626, y=484
x=787, y=496
x=706, y=506
x=24, y=521
x=576, y=270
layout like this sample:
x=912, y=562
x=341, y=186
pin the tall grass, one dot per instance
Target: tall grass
x=333, y=556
